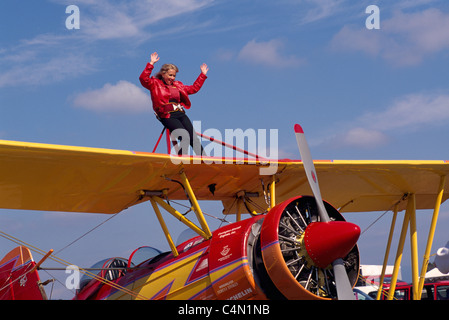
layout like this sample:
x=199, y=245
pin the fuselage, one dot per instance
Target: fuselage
x=278, y=255
x=217, y=268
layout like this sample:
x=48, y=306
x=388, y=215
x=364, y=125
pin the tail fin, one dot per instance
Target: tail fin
x=19, y=280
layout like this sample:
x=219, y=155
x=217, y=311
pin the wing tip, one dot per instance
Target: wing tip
x=298, y=129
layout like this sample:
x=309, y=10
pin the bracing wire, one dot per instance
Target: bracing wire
x=86, y=233
x=205, y=213
x=65, y=263
x=404, y=197
x=99, y=225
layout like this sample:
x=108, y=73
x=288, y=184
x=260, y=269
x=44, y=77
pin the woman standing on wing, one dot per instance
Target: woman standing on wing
x=170, y=97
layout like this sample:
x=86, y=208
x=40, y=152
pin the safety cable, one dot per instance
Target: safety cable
x=205, y=213
x=139, y=198
x=86, y=233
x=185, y=192
x=403, y=198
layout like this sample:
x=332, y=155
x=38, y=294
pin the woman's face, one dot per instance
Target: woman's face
x=169, y=76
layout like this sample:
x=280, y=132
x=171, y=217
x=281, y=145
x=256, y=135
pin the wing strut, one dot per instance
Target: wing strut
x=156, y=201
x=196, y=206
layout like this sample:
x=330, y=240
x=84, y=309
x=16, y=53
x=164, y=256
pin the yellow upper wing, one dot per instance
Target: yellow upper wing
x=46, y=177
x=371, y=185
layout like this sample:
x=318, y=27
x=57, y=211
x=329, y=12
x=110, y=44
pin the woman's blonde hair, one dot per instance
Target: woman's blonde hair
x=165, y=68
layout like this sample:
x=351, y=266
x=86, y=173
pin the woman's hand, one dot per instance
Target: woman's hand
x=154, y=58
x=204, y=68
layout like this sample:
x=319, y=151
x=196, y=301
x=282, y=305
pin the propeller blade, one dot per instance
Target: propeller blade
x=309, y=167
x=344, y=288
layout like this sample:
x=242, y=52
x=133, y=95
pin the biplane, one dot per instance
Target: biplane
x=297, y=246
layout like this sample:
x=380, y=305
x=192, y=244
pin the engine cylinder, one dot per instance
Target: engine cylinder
x=286, y=251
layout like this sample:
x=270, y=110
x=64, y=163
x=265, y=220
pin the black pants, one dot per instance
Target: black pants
x=179, y=120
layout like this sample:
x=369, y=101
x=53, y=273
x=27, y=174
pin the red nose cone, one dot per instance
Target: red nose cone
x=327, y=241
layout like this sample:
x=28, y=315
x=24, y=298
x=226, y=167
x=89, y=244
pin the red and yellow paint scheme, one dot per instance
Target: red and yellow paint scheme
x=240, y=261
x=19, y=278
x=217, y=268
x=294, y=248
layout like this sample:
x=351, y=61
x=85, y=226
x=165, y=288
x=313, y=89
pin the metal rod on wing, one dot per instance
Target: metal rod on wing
x=344, y=289
x=227, y=145
x=230, y=146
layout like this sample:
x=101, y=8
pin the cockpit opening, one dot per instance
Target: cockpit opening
x=109, y=269
x=116, y=267
x=142, y=254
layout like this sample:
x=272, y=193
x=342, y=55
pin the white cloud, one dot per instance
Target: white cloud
x=44, y=59
x=112, y=26
x=405, y=39
x=407, y=114
x=122, y=97
x=43, y=71
x=268, y=53
x=49, y=57
x=363, y=138
x=321, y=9
x=411, y=112
x=124, y=19
x=354, y=137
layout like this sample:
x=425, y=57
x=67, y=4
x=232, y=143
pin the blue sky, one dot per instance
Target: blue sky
x=358, y=93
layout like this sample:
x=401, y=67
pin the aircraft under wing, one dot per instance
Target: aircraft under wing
x=47, y=177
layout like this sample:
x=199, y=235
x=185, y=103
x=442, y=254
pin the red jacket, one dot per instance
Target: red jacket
x=160, y=93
